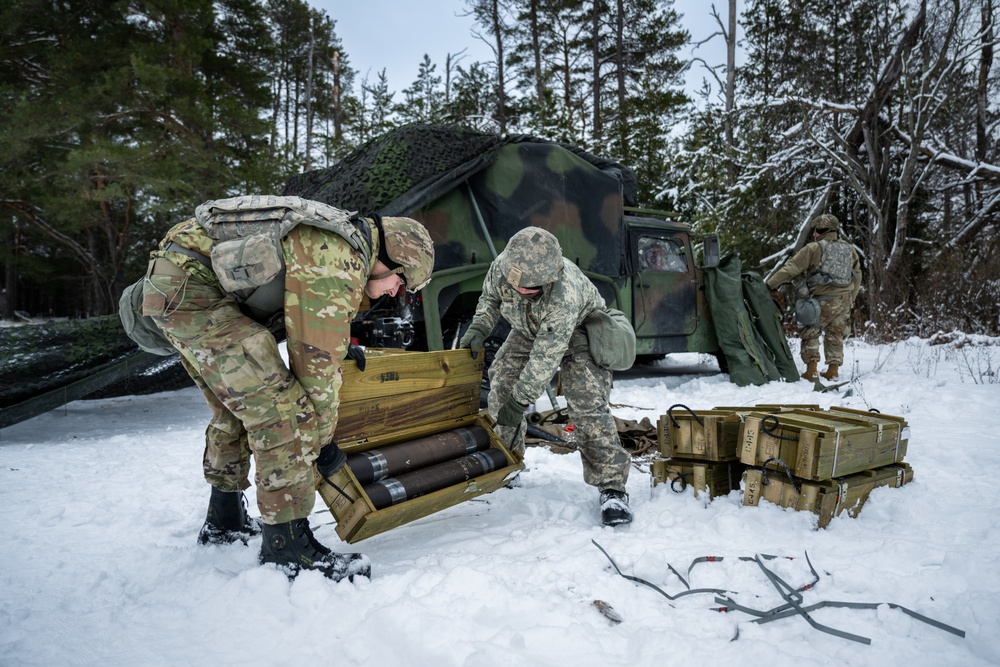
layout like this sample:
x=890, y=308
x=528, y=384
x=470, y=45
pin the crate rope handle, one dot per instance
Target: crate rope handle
x=684, y=483
x=788, y=472
x=764, y=427
x=673, y=422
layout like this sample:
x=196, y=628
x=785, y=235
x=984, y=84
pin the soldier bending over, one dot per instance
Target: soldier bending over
x=546, y=299
x=218, y=286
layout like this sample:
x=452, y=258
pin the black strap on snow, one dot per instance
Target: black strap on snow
x=793, y=607
x=670, y=414
x=656, y=588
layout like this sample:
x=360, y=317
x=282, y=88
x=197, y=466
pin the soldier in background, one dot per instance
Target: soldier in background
x=832, y=274
x=285, y=417
x=546, y=298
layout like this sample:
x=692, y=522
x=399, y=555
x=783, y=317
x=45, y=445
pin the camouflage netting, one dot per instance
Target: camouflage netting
x=403, y=170
x=43, y=366
x=390, y=172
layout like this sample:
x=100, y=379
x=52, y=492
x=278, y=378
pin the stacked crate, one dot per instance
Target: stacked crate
x=821, y=461
x=698, y=448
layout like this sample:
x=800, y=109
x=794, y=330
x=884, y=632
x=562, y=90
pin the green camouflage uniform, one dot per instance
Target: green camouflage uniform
x=282, y=416
x=546, y=331
x=835, y=303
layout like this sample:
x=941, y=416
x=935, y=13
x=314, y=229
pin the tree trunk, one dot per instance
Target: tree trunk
x=498, y=29
x=730, y=37
x=596, y=53
x=536, y=50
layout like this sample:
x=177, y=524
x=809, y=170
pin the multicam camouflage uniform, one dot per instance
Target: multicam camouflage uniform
x=546, y=331
x=283, y=416
x=835, y=302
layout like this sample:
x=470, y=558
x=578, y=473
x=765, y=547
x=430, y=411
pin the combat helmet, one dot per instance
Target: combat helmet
x=826, y=223
x=532, y=258
x=408, y=244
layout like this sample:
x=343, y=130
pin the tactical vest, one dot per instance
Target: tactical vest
x=836, y=266
x=248, y=258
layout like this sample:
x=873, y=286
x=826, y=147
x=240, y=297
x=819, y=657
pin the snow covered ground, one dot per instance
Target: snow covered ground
x=102, y=501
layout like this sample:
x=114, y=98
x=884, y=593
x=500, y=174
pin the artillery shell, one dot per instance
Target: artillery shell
x=404, y=457
x=394, y=490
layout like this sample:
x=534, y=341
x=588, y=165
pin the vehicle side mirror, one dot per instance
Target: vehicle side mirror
x=710, y=251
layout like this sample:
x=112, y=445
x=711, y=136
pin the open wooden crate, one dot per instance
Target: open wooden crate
x=402, y=396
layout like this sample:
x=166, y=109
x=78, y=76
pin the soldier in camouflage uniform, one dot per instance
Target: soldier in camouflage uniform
x=285, y=417
x=832, y=273
x=546, y=298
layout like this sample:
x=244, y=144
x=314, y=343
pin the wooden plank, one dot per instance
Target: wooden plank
x=390, y=372
x=356, y=419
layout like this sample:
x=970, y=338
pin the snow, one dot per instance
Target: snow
x=103, y=501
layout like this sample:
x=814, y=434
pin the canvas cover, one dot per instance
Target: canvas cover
x=457, y=181
x=751, y=360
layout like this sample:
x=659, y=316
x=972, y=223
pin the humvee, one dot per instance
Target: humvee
x=473, y=191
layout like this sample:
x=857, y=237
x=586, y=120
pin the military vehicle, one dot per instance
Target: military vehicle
x=474, y=190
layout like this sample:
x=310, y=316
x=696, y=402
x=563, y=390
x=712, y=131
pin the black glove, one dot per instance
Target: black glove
x=357, y=353
x=331, y=459
x=510, y=412
x=473, y=340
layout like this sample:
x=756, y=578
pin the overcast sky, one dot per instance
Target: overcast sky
x=395, y=35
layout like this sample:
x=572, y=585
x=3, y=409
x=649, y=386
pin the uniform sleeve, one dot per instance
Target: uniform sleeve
x=488, y=309
x=797, y=265
x=856, y=283
x=324, y=285
x=550, y=346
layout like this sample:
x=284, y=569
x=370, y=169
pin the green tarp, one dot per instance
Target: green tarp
x=747, y=326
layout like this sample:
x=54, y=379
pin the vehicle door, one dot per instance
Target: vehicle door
x=663, y=289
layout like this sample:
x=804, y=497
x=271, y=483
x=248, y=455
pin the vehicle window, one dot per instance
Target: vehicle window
x=656, y=254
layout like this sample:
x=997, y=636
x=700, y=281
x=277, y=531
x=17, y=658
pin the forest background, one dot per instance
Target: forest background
x=118, y=118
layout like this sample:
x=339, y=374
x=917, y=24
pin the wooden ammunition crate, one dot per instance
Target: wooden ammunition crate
x=401, y=389
x=402, y=396
x=825, y=499
x=715, y=478
x=704, y=435
x=823, y=444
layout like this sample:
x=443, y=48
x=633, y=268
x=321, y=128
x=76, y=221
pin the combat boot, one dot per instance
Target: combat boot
x=227, y=519
x=614, y=508
x=832, y=372
x=811, y=374
x=292, y=547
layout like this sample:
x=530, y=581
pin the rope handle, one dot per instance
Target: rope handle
x=765, y=429
x=673, y=422
x=788, y=471
x=684, y=483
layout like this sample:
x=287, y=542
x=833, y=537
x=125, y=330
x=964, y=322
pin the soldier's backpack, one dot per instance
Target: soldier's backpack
x=249, y=230
x=836, y=267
